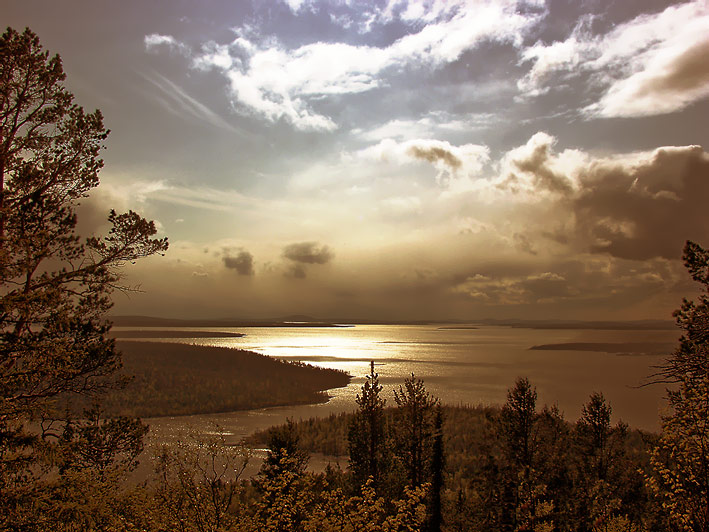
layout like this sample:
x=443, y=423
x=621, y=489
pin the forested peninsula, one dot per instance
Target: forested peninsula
x=174, y=379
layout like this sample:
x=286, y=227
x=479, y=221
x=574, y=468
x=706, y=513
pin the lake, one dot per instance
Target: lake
x=458, y=365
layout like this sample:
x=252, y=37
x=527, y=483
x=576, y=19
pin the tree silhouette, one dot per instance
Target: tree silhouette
x=681, y=459
x=414, y=428
x=54, y=288
x=366, y=433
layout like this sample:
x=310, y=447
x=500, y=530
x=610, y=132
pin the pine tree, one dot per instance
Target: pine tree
x=366, y=433
x=435, y=514
x=519, y=442
x=54, y=288
x=414, y=429
x=284, y=452
x=681, y=459
x=600, y=476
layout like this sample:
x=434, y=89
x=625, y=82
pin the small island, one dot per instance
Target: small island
x=621, y=348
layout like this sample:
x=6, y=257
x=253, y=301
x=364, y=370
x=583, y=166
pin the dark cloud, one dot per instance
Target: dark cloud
x=296, y=271
x=636, y=207
x=243, y=262
x=308, y=253
x=528, y=289
x=648, y=209
x=523, y=243
x=591, y=281
x=690, y=71
x=433, y=154
x=536, y=162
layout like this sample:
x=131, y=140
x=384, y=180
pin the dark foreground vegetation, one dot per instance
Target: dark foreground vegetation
x=514, y=467
x=177, y=379
x=419, y=467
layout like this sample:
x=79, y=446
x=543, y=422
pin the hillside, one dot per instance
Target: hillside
x=179, y=379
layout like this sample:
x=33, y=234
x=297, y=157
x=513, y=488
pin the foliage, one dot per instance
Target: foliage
x=284, y=452
x=480, y=484
x=517, y=420
x=198, y=483
x=680, y=460
x=413, y=429
x=438, y=463
x=55, y=289
x=366, y=433
x=54, y=293
x=102, y=446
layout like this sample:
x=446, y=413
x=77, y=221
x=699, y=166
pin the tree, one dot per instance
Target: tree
x=435, y=516
x=690, y=361
x=523, y=493
x=198, y=483
x=54, y=288
x=414, y=428
x=594, y=433
x=680, y=461
x=366, y=433
x=284, y=452
x=601, y=479
x=517, y=419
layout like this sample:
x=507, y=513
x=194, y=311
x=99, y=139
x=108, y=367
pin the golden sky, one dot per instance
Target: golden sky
x=397, y=159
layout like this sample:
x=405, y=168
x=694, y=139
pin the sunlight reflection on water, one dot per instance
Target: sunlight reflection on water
x=468, y=366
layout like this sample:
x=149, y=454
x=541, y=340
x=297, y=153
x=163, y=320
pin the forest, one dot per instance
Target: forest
x=587, y=475
x=417, y=466
x=170, y=379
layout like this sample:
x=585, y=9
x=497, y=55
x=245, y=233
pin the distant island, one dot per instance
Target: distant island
x=172, y=333
x=299, y=320
x=636, y=325
x=289, y=321
x=623, y=348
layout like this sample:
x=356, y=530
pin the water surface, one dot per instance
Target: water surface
x=460, y=366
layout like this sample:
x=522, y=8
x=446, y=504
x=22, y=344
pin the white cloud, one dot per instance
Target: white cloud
x=275, y=82
x=465, y=161
x=177, y=101
x=653, y=64
x=155, y=40
x=535, y=169
x=671, y=80
x=434, y=124
x=404, y=206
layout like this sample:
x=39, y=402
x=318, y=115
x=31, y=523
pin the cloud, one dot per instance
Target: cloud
x=535, y=162
x=451, y=161
x=668, y=83
x=430, y=126
x=404, y=206
x=653, y=64
x=179, y=103
x=580, y=281
x=436, y=154
x=155, y=40
x=277, y=83
x=534, y=288
x=296, y=271
x=308, y=253
x=242, y=263
x=633, y=206
x=645, y=209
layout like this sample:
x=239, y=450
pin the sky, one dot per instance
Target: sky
x=396, y=159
